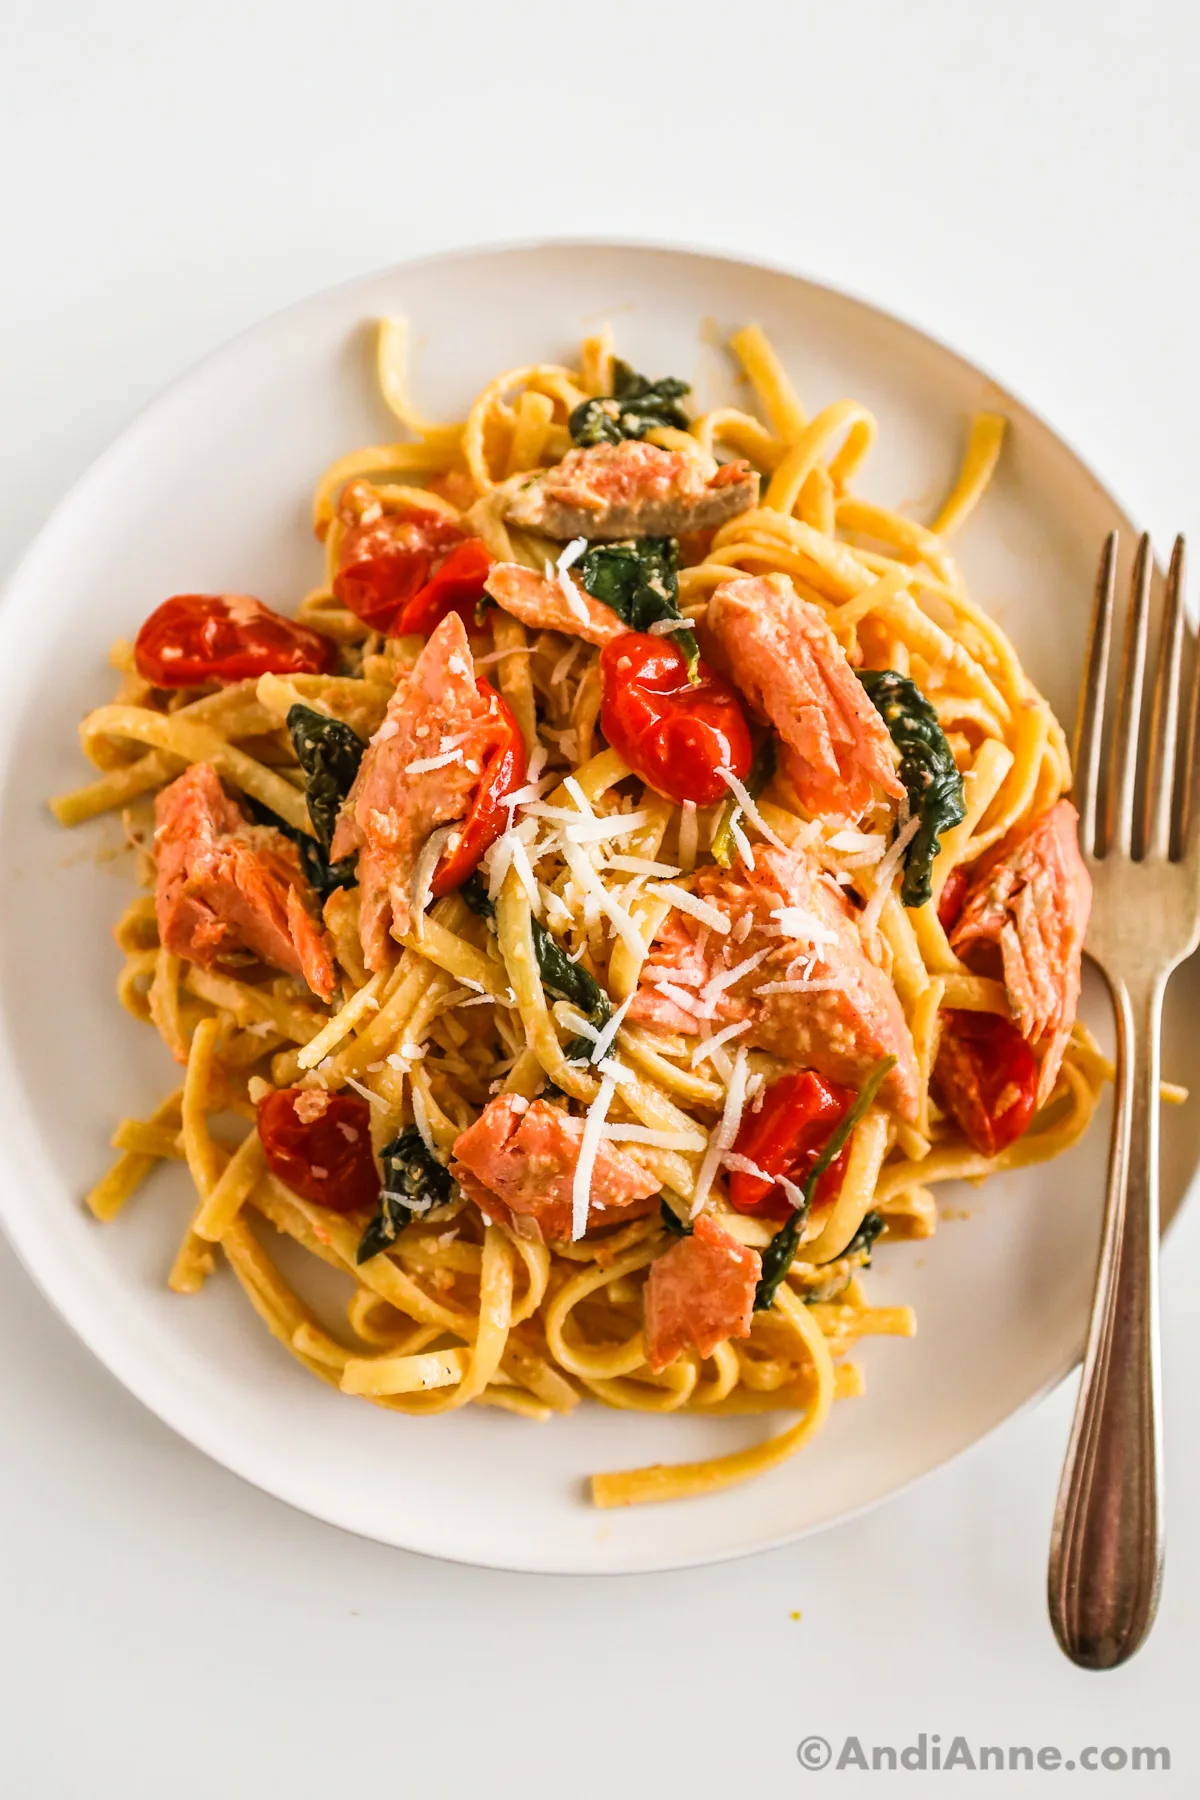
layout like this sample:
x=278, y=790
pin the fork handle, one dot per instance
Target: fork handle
x=1107, y=1545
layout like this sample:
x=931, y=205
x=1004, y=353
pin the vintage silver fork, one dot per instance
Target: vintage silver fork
x=1141, y=842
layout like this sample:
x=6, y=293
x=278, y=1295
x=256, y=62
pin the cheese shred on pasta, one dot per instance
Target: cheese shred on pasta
x=463, y=1306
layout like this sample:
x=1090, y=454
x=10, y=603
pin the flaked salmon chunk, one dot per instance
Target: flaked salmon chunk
x=1031, y=903
x=436, y=714
x=225, y=884
x=626, y=490
x=785, y=659
x=838, y=1013
x=518, y=1161
x=540, y=602
x=699, y=1293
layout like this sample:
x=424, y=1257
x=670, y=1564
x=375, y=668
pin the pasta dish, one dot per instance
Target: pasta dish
x=626, y=886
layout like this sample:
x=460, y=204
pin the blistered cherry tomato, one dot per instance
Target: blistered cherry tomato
x=387, y=557
x=319, y=1145
x=193, y=639
x=503, y=773
x=798, y=1116
x=676, y=736
x=986, y=1077
x=456, y=587
x=953, y=898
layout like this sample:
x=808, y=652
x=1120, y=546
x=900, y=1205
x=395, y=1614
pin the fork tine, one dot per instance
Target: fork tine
x=1164, y=716
x=1089, y=727
x=1122, y=774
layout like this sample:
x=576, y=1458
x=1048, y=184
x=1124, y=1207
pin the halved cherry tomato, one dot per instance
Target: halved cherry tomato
x=192, y=639
x=456, y=587
x=986, y=1077
x=673, y=734
x=386, y=557
x=503, y=773
x=954, y=897
x=798, y=1116
x=319, y=1145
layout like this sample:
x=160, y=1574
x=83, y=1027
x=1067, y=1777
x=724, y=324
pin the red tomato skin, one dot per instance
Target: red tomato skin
x=953, y=898
x=318, y=1158
x=674, y=735
x=456, y=587
x=796, y=1120
x=503, y=773
x=385, y=560
x=193, y=639
x=983, y=1060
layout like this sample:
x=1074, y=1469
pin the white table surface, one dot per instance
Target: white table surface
x=1020, y=180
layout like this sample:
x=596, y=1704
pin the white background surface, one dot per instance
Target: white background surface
x=1019, y=180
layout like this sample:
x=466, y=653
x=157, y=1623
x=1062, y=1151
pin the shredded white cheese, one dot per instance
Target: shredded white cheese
x=724, y=1133
x=664, y=627
x=706, y=1046
x=797, y=922
x=608, y=1033
x=570, y=592
x=712, y=916
x=589, y=882
x=742, y=795
x=643, y=865
x=727, y=977
x=581, y=1184
x=822, y=985
x=422, y=881
x=885, y=875
x=424, y=765
x=375, y=1100
x=742, y=841
x=421, y=1121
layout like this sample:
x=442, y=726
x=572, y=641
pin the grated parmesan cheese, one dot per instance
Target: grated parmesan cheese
x=743, y=843
x=581, y=1183
x=590, y=883
x=608, y=1033
x=643, y=865
x=707, y=1045
x=742, y=795
x=558, y=572
x=885, y=875
x=724, y=1133
x=376, y=1100
x=797, y=922
x=422, y=881
x=712, y=916
x=726, y=979
x=425, y=765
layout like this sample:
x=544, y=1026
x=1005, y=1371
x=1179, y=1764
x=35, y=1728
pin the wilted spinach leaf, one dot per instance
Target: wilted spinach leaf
x=571, y=982
x=672, y=1221
x=475, y=894
x=780, y=1253
x=636, y=406
x=865, y=1236
x=927, y=769
x=329, y=753
x=410, y=1174
x=640, y=581
x=322, y=875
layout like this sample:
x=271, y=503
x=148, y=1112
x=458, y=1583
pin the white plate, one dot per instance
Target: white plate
x=209, y=490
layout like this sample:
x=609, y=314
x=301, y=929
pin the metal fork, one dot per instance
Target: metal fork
x=1141, y=842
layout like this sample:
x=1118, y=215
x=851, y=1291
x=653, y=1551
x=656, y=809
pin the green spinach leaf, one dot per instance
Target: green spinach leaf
x=780, y=1253
x=927, y=769
x=571, y=982
x=864, y=1237
x=412, y=1178
x=322, y=875
x=636, y=406
x=329, y=753
x=640, y=581
x=475, y=894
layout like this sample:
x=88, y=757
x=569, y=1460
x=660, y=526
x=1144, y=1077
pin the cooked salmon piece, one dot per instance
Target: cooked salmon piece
x=785, y=659
x=699, y=1293
x=1030, y=903
x=839, y=1013
x=518, y=1160
x=225, y=884
x=539, y=602
x=629, y=490
x=436, y=712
